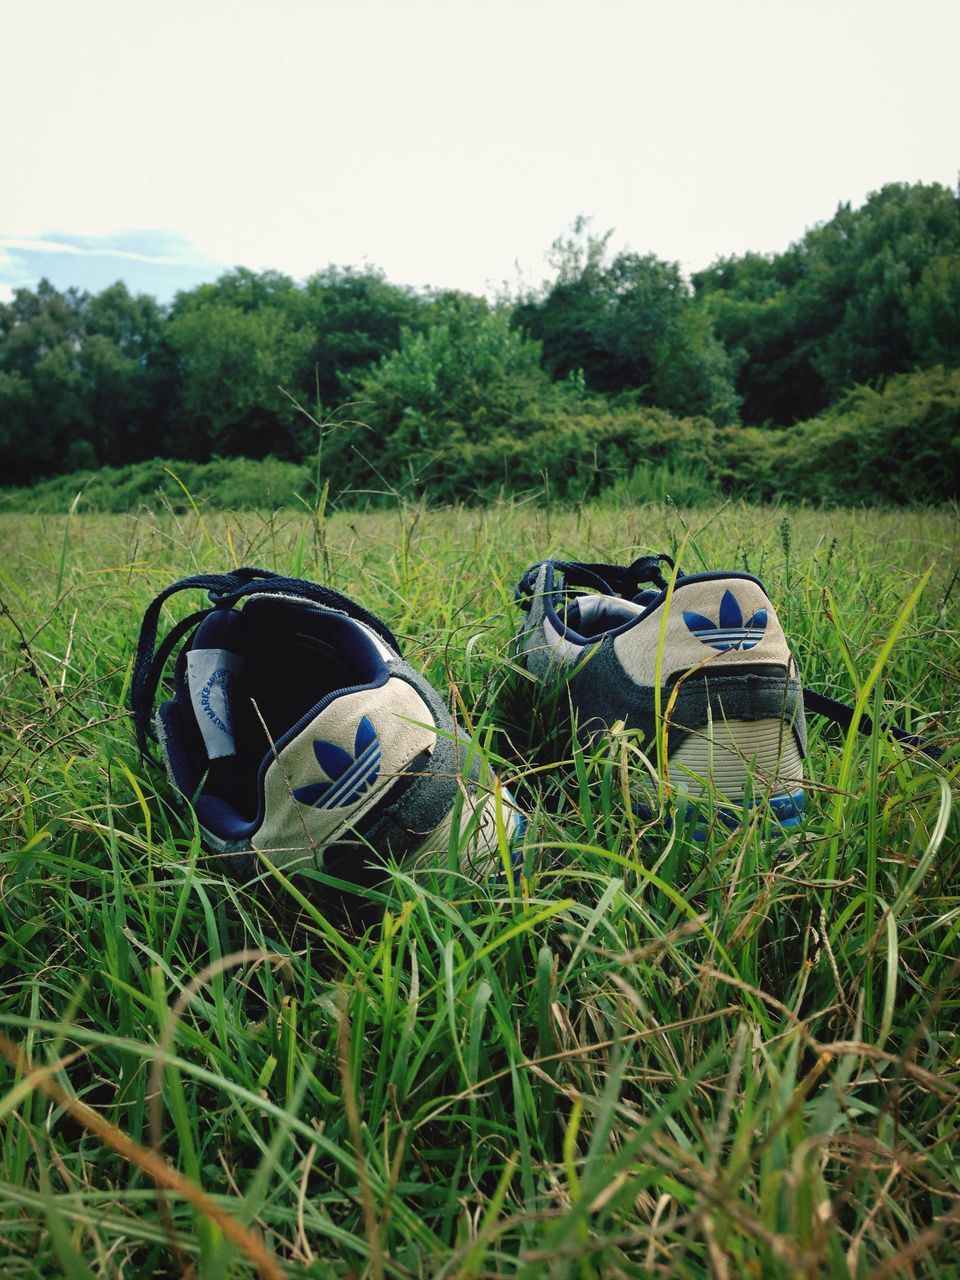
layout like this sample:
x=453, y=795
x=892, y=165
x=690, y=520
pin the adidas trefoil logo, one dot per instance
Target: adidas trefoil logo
x=352, y=774
x=729, y=631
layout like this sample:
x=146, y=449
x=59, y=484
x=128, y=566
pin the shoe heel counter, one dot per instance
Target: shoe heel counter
x=341, y=764
x=731, y=621
x=741, y=698
x=714, y=622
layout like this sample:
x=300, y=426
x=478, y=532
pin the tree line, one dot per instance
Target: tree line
x=615, y=357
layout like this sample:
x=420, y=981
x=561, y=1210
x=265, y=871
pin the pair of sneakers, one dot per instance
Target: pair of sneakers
x=298, y=731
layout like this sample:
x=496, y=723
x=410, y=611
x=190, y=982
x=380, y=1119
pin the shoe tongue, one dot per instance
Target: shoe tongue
x=211, y=676
x=596, y=613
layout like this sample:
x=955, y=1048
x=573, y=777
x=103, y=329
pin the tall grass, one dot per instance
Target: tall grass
x=648, y=1055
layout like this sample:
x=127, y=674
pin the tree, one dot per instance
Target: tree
x=346, y=320
x=126, y=373
x=865, y=266
x=468, y=378
x=241, y=290
x=628, y=324
x=25, y=451
x=694, y=373
x=33, y=323
x=857, y=299
x=232, y=369
x=934, y=324
x=355, y=318
x=85, y=374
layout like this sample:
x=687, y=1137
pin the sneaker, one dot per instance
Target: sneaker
x=295, y=728
x=709, y=658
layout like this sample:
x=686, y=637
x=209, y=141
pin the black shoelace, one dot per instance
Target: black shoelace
x=223, y=590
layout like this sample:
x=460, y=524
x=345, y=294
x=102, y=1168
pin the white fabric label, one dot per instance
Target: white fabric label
x=209, y=673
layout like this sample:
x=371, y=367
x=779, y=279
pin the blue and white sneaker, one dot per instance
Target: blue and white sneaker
x=296, y=729
x=710, y=656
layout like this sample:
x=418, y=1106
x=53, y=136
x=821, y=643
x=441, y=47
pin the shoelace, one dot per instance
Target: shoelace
x=611, y=579
x=623, y=580
x=224, y=590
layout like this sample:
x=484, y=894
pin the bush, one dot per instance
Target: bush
x=233, y=483
x=897, y=445
x=892, y=446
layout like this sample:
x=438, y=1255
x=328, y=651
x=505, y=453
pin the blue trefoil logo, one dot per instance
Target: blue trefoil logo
x=351, y=775
x=729, y=631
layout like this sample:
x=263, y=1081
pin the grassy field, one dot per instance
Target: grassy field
x=648, y=1057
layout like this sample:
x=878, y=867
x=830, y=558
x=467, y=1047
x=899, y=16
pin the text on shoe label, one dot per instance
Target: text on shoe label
x=209, y=675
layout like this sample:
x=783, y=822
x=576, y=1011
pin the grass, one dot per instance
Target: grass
x=651, y=1056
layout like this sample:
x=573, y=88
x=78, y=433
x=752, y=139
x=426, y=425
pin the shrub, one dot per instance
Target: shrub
x=236, y=483
x=895, y=445
x=899, y=444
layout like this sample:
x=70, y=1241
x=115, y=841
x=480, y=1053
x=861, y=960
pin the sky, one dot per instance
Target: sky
x=450, y=142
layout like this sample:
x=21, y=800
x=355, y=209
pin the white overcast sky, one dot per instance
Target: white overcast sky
x=448, y=142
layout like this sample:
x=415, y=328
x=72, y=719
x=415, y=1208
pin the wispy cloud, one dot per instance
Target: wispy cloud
x=150, y=261
x=83, y=247
x=13, y=273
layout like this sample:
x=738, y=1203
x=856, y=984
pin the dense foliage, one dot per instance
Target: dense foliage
x=874, y=291
x=895, y=446
x=116, y=378
x=630, y=324
x=613, y=364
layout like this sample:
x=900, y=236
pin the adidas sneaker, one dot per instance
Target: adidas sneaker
x=710, y=655
x=296, y=729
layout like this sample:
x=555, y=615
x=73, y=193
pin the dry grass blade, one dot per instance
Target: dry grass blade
x=163, y=1174
x=155, y=1094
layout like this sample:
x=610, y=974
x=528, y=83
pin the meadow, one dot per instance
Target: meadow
x=645, y=1056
